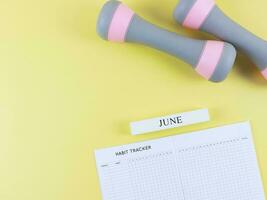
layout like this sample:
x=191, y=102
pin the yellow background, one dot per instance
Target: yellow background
x=65, y=92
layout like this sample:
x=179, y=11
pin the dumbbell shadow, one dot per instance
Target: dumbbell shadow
x=246, y=68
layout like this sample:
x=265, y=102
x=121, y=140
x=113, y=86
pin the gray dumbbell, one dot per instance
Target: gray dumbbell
x=213, y=60
x=205, y=15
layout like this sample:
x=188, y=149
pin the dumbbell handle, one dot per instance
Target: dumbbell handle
x=225, y=28
x=206, y=16
x=143, y=32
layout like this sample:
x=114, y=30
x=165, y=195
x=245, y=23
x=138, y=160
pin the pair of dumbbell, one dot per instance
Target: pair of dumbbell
x=213, y=60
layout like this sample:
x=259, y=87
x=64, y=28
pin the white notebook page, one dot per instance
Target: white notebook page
x=214, y=164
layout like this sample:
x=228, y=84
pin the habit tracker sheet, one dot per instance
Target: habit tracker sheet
x=214, y=164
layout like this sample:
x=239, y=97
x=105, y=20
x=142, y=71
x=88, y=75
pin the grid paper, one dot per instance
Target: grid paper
x=214, y=164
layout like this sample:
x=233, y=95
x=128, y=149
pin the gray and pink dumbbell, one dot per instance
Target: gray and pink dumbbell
x=206, y=16
x=213, y=60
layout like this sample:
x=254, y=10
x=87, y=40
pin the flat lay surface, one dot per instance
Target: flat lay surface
x=66, y=92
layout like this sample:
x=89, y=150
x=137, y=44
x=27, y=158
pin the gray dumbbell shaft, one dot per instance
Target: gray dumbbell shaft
x=143, y=32
x=222, y=26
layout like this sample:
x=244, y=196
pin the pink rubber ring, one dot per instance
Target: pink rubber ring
x=120, y=23
x=210, y=58
x=264, y=73
x=198, y=13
